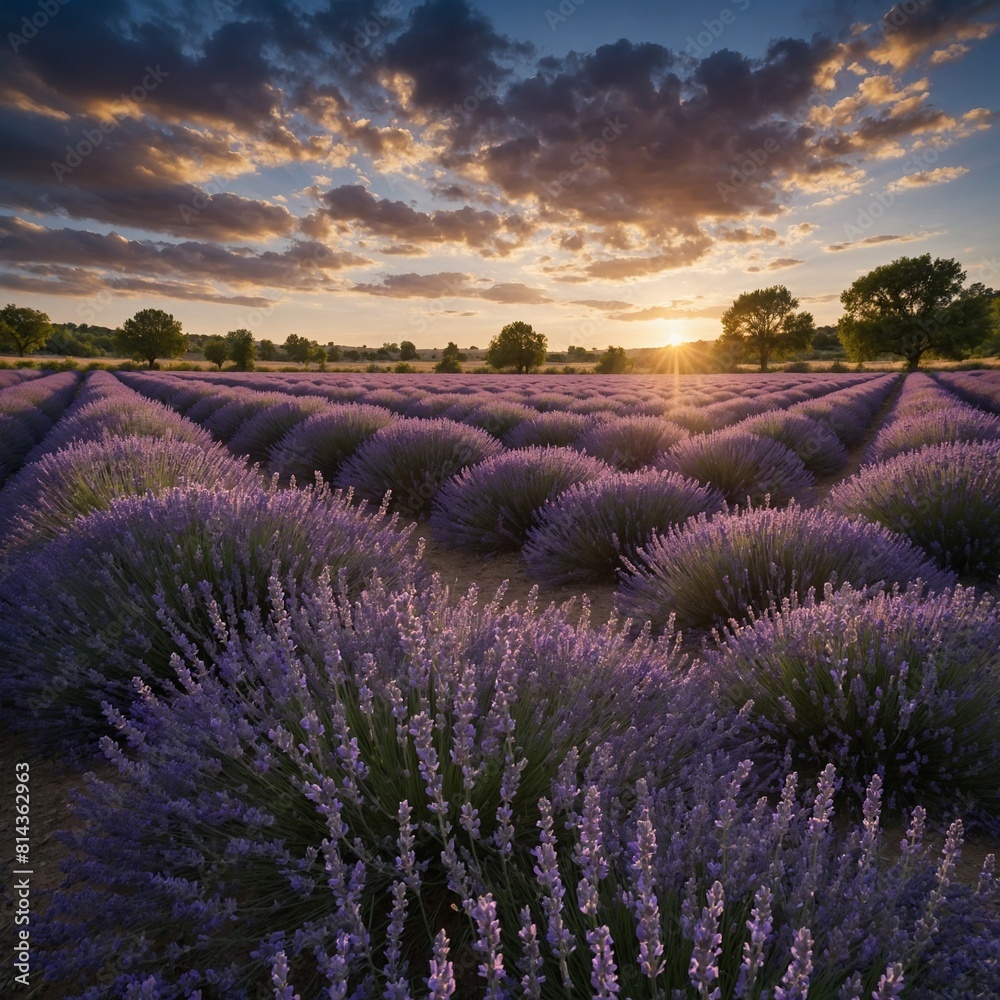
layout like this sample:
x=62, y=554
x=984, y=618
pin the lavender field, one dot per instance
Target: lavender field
x=318, y=753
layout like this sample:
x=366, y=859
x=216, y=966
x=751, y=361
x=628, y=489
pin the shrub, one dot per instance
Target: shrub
x=707, y=572
x=849, y=423
x=558, y=428
x=814, y=442
x=492, y=505
x=585, y=534
x=324, y=441
x=497, y=417
x=413, y=458
x=122, y=415
x=360, y=800
x=85, y=613
x=944, y=498
x=945, y=426
x=224, y=422
x=48, y=495
x=898, y=685
x=743, y=466
x=260, y=433
x=630, y=442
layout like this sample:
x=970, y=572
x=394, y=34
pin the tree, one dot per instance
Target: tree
x=332, y=352
x=151, y=334
x=448, y=365
x=407, y=350
x=764, y=325
x=452, y=351
x=298, y=348
x=613, y=361
x=910, y=307
x=267, y=350
x=517, y=346
x=216, y=351
x=242, y=349
x=23, y=329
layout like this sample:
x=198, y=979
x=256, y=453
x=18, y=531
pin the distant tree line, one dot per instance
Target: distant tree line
x=911, y=308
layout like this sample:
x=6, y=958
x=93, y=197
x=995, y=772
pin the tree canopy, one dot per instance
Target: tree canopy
x=763, y=325
x=913, y=306
x=216, y=351
x=241, y=348
x=23, y=330
x=614, y=361
x=151, y=334
x=517, y=346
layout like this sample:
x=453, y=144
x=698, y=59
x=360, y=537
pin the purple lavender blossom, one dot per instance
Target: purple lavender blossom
x=706, y=572
x=588, y=532
x=944, y=498
x=412, y=459
x=493, y=505
x=743, y=466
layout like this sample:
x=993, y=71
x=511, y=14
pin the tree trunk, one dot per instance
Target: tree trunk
x=912, y=362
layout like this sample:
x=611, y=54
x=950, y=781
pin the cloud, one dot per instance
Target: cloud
x=303, y=265
x=869, y=241
x=928, y=178
x=778, y=264
x=352, y=206
x=938, y=30
x=451, y=284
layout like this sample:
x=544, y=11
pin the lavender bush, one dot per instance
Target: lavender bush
x=48, y=495
x=944, y=498
x=629, y=443
x=410, y=796
x=413, y=458
x=901, y=685
x=742, y=466
x=325, y=440
x=243, y=406
x=585, y=534
x=497, y=417
x=944, y=426
x=706, y=572
x=96, y=606
x=492, y=506
x=814, y=442
x=558, y=428
x=260, y=433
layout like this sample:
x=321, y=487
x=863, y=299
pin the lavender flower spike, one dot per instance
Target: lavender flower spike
x=795, y=982
x=704, y=967
x=441, y=982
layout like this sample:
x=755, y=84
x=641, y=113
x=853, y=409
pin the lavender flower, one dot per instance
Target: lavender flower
x=587, y=532
x=412, y=459
x=708, y=571
x=629, y=443
x=944, y=498
x=493, y=505
x=743, y=466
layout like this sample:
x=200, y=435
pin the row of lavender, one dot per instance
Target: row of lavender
x=578, y=520
x=28, y=409
x=380, y=789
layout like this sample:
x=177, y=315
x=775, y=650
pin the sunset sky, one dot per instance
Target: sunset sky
x=362, y=171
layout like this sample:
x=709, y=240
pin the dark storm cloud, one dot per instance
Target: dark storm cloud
x=303, y=265
x=353, y=206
